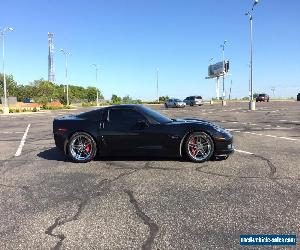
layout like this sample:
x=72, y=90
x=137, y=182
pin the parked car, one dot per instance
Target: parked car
x=135, y=130
x=298, y=97
x=193, y=100
x=174, y=103
x=28, y=100
x=262, y=98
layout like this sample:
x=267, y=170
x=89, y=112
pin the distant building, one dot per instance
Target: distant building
x=51, y=70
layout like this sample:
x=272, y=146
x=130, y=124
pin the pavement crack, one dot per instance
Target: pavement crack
x=270, y=164
x=59, y=222
x=80, y=207
x=153, y=227
x=61, y=237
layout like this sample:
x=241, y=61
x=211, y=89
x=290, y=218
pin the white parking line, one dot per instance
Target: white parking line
x=234, y=129
x=289, y=121
x=272, y=136
x=244, y=152
x=19, y=151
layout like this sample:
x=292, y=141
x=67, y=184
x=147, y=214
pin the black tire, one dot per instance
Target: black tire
x=209, y=147
x=166, y=106
x=82, y=143
x=191, y=104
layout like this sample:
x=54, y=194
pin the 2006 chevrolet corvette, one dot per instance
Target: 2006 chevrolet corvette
x=135, y=130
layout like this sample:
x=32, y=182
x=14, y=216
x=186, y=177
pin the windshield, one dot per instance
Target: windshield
x=177, y=100
x=154, y=115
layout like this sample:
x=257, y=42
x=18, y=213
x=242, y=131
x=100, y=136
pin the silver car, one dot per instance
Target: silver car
x=193, y=100
x=174, y=103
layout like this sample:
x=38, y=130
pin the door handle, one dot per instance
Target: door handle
x=101, y=125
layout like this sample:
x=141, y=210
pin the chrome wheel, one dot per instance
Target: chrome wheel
x=199, y=147
x=82, y=147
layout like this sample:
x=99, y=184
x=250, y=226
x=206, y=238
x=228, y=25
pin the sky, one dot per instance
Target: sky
x=130, y=39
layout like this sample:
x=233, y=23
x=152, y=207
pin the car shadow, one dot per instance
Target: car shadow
x=54, y=154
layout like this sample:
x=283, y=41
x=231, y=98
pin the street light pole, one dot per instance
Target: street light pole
x=250, y=14
x=66, y=73
x=223, y=55
x=157, y=84
x=96, y=70
x=5, y=106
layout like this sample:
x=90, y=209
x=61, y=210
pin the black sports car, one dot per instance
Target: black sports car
x=128, y=130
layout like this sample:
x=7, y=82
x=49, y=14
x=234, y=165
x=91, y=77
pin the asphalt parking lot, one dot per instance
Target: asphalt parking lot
x=48, y=202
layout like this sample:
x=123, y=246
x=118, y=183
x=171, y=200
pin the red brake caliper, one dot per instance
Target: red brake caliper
x=193, y=147
x=88, y=148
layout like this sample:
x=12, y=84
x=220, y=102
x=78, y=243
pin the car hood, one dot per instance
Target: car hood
x=197, y=121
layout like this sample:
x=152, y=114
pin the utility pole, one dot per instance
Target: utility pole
x=96, y=70
x=273, y=90
x=223, y=56
x=250, y=14
x=157, y=69
x=230, y=90
x=66, y=54
x=5, y=105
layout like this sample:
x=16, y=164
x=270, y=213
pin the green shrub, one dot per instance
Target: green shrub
x=34, y=109
x=11, y=110
x=88, y=104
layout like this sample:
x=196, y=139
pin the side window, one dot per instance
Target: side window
x=124, y=118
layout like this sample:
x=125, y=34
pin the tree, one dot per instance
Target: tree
x=44, y=91
x=127, y=99
x=116, y=99
x=11, y=85
x=163, y=98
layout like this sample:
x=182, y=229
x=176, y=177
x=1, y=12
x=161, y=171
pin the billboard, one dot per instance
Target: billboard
x=215, y=70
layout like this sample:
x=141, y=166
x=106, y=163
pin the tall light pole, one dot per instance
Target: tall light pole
x=2, y=33
x=223, y=56
x=66, y=54
x=96, y=70
x=157, y=69
x=250, y=14
x=217, y=83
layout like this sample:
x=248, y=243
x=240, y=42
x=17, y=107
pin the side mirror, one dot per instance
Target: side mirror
x=142, y=124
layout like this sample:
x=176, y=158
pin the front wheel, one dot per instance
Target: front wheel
x=82, y=147
x=199, y=147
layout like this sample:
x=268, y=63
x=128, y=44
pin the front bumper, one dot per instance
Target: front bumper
x=225, y=151
x=224, y=145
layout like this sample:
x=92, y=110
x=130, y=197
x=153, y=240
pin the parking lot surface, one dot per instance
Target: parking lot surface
x=48, y=202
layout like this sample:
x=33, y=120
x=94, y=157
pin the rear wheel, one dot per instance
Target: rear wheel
x=82, y=147
x=166, y=106
x=199, y=147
